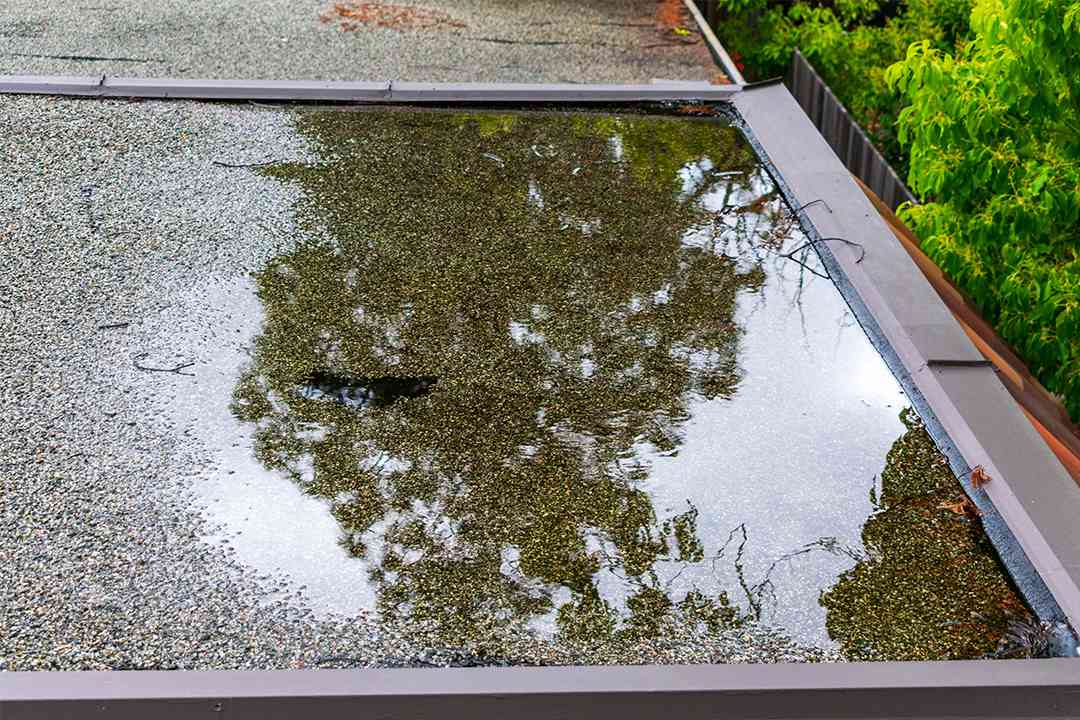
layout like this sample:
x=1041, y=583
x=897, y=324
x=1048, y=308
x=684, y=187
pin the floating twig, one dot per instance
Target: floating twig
x=113, y=326
x=810, y=243
x=243, y=165
x=148, y=368
x=806, y=267
x=812, y=202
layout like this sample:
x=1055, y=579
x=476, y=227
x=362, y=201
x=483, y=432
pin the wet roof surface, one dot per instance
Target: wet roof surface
x=436, y=388
x=463, y=40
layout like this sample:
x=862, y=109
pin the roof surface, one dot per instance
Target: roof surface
x=476, y=40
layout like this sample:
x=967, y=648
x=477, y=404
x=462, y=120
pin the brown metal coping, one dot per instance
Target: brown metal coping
x=358, y=92
x=1043, y=409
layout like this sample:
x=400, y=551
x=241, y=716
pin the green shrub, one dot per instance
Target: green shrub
x=851, y=43
x=994, y=134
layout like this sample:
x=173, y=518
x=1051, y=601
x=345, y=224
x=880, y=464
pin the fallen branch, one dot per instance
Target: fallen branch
x=672, y=43
x=113, y=326
x=87, y=192
x=535, y=43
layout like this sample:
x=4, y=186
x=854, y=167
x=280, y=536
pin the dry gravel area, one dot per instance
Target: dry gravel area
x=120, y=241
x=463, y=40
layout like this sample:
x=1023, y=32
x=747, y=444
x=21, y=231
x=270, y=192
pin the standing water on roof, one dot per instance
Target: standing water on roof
x=570, y=386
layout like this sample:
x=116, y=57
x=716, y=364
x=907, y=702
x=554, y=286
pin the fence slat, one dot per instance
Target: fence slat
x=843, y=134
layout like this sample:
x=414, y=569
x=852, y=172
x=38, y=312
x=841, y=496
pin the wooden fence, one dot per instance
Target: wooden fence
x=844, y=134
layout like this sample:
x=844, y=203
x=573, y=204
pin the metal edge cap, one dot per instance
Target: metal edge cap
x=361, y=91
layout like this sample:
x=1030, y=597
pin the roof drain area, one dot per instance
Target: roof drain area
x=544, y=388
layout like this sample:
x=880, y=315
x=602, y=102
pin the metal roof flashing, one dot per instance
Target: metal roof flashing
x=1030, y=508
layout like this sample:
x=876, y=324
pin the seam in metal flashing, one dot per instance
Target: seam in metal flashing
x=52, y=84
x=359, y=92
x=246, y=89
x=966, y=409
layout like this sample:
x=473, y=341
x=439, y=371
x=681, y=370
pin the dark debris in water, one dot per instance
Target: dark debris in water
x=435, y=658
x=364, y=392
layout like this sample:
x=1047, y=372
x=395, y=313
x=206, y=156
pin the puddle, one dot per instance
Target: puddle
x=552, y=375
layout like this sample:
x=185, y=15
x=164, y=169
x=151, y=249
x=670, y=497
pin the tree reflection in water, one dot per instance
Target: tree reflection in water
x=930, y=585
x=567, y=295
x=506, y=316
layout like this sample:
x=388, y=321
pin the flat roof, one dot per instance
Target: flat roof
x=950, y=384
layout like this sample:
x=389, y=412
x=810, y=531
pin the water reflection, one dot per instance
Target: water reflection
x=553, y=294
x=929, y=585
x=543, y=368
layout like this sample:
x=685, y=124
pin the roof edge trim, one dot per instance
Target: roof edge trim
x=388, y=91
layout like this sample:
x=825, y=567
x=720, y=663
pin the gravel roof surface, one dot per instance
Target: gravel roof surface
x=120, y=242
x=478, y=40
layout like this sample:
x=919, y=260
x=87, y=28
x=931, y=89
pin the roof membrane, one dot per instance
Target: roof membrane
x=603, y=40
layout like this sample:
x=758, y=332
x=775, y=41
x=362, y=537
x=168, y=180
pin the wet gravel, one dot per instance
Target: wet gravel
x=536, y=41
x=115, y=217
